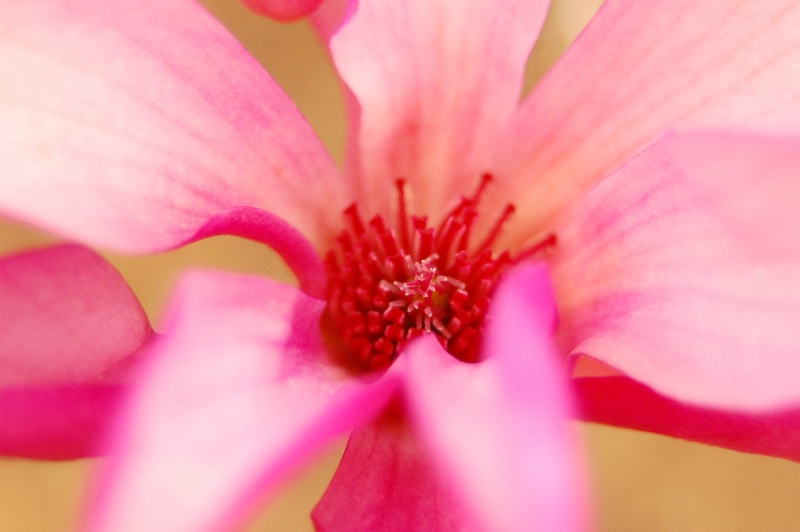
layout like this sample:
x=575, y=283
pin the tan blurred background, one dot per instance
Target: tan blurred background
x=639, y=482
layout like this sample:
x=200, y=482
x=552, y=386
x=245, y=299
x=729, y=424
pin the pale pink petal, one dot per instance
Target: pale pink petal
x=639, y=69
x=386, y=481
x=752, y=181
x=236, y=396
x=66, y=316
x=500, y=429
x=623, y=402
x=655, y=279
x=130, y=124
x=435, y=83
x=283, y=10
x=56, y=421
x=326, y=21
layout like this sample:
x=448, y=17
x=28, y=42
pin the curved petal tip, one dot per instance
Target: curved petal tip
x=283, y=10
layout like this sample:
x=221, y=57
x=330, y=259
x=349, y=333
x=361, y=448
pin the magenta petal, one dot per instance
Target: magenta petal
x=56, y=422
x=639, y=69
x=386, y=482
x=288, y=242
x=235, y=397
x=283, y=10
x=623, y=402
x=130, y=124
x=68, y=324
x=435, y=84
x=66, y=316
x=328, y=18
x=500, y=429
x=659, y=277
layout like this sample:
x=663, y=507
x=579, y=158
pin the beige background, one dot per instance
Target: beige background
x=638, y=481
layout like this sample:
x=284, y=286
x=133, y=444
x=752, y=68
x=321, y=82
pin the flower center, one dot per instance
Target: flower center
x=389, y=285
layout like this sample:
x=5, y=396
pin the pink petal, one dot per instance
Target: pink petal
x=328, y=18
x=752, y=182
x=654, y=280
x=386, y=481
x=235, y=398
x=56, y=422
x=262, y=226
x=69, y=325
x=283, y=10
x=641, y=68
x=499, y=429
x=130, y=124
x=435, y=84
x=327, y=21
x=622, y=402
x=66, y=316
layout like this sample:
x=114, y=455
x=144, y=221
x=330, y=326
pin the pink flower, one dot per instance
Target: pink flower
x=145, y=127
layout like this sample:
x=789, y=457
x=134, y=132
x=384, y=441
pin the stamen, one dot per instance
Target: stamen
x=497, y=228
x=402, y=212
x=539, y=249
x=351, y=213
x=390, y=283
x=486, y=178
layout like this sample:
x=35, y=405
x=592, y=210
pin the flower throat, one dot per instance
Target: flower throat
x=389, y=285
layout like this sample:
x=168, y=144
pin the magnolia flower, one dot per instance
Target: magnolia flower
x=145, y=127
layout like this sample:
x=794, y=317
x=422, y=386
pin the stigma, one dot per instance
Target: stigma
x=390, y=283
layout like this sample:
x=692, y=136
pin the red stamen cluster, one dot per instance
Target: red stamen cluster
x=387, y=287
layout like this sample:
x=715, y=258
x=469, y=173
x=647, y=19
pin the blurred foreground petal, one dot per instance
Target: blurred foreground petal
x=235, y=397
x=499, y=429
